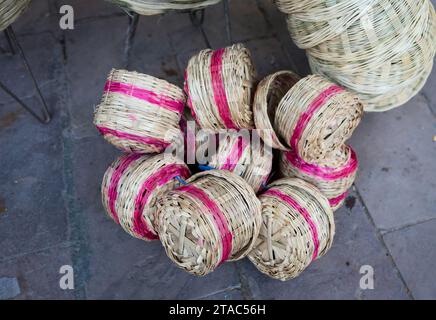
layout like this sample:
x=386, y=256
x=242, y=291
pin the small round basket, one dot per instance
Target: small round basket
x=246, y=156
x=298, y=228
x=139, y=113
x=269, y=93
x=316, y=117
x=131, y=187
x=10, y=10
x=219, y=85
x=152, y=7
x=333, y=179
x=214, y=218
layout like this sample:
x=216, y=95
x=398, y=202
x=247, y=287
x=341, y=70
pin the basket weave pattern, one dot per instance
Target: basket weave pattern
x=139, y=113
x=131, y=186
x=214, y=218
x=298, y=227
x=218, y=84
x=10, y=10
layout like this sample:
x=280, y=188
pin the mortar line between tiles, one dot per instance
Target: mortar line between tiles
x=382, y=241
x=409, y=225
x=428, y=103
x=228, y=289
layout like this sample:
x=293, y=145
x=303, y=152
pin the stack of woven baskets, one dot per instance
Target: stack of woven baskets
x=381, y=49
x=152, y=7
x=10, y=10
x=231, y=210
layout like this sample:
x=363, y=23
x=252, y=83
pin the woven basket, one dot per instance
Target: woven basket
x=333, y=179
x=316, y=117
x=269, y=93
x=219, y=85
x=139, y=113
x=298, y=227
x=10, y=10
x=214, y=218
x=152, y=7
x=248, y=158
x=131, y=187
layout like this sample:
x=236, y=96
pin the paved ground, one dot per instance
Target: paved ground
x=50, y=211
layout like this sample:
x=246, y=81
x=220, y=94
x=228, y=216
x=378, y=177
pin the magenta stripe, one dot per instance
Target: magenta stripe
x=112, y=191
x=235, y=154
x=325, y=173
x=157, y=179
x=308, y=114
x=335, y=201
x=145, y=95
x=219, y=92
x=218, y=217
x=124, y=135
x=294, y=204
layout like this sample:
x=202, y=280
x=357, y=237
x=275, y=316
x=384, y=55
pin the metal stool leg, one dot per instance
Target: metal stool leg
x=131, y=31
x=13, y=43
x=197, y=19
x=228, y=22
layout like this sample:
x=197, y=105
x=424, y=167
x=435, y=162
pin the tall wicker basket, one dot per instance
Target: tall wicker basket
x=298, y=228
x=10, y=10
x=152, y=7
x=214, y=218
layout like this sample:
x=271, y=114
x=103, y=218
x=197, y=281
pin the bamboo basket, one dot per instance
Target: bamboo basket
x=131, y=187
x=219, y=85
x=139, y=113
x=334, y=178
x=214, y=218
x=247, y=157
x=269, y=93
x=152, y=7
x=10, y=10
x=316, y=117
x=298, y=228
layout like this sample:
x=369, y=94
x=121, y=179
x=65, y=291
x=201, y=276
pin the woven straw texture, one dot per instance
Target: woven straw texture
x=214, y=218
x=316, y=117
x=219, y=85
x=245, y=156
x=380, y=49
x=139, y=113
x=269, y=93
x=131, y=187
x=10, y=10
x=333, y=179
x=152, y=7
x=298, y=227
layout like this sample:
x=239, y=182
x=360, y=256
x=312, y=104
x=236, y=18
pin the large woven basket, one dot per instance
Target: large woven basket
x=246, y=156
x=131, y=186
x=219, y=85
x=10, y=10
x=214, y=218
x=298, y=228
x=139, y=113
x=152, y=7
x=316, y=117
x=333, y=179
x=269, y=93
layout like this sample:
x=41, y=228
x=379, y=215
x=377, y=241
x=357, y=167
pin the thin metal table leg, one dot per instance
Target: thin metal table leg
x=228, y=22
x=131, y=31
x=197, y=19
x=46, y=115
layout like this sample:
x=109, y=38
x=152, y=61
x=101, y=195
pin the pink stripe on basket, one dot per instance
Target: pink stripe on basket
x=218, y=217
x=294, y=204
x=235, y=154
x=157, y=179
x=219, y=92
x=114, y=181
x=145, y=95
x=325, y=173
x=124, y=135
x=335, y=201
x=308, y=114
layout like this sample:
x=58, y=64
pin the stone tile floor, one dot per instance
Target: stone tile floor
x=50, y=211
